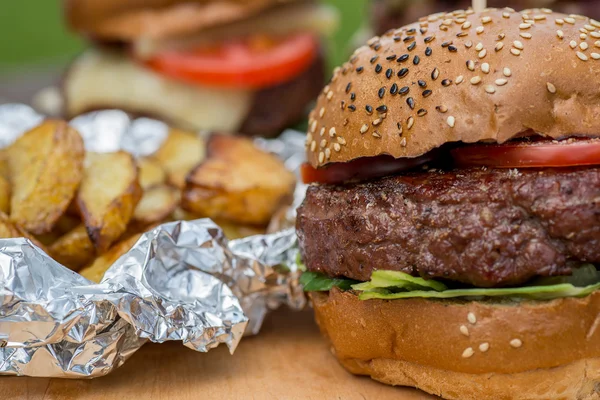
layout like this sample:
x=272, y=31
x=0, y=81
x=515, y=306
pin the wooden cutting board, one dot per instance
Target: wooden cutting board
x=288, y=360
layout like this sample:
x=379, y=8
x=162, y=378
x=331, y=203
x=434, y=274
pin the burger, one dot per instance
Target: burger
x=242, y=66
x=451, y=231
x=389, y=14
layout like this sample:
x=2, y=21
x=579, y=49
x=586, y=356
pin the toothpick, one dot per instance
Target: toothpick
x=479, y=5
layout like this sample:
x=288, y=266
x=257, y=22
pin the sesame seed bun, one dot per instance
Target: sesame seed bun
x=468, y=349
x=127, y=20
x=461, y=77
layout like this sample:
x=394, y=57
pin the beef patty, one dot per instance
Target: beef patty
x=488, y=228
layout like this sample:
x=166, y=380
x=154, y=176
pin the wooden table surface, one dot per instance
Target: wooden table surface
x=288, y=360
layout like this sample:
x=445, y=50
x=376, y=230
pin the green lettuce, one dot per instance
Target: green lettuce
x=391, y=285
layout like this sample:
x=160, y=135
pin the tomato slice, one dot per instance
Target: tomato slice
x=362, y=168
x=255, y=62
x=536, y=154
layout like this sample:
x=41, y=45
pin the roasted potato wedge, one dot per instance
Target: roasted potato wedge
x=151, y=173
x=109, y=193
x=46, y=167
x=9, y=229
x=157, y=203
x=180, y=152
x=237, y=182
x=74, y=249
x=95, y=271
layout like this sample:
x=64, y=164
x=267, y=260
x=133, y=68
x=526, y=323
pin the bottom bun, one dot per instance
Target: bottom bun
x=468, y=349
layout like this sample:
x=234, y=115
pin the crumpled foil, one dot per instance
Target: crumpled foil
x=181, y=281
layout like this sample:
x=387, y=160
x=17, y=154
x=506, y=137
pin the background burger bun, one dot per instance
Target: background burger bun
x=127, y=20
x=468, y=350
x=486, y=76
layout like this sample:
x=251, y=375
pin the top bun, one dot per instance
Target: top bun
x=126, y=20
x=461, y=77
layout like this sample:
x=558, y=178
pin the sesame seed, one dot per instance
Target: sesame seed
x=595, y=23
x=322, y=112
x=507, y=72
x=422, y=83
x=524, y=26
x=516, y=343
x=404, y=90
x=377, y=47
x=428, y=51
x=447, y=22
x=515, y=52
x=412, y=46
x=595, y=35
x=337, y=147
x=352, y=107
x=466, y=25
x=461, y=20
x=476, y=80
x=321, y=157
x=323, y=143
x=501, y=82
x=452, y=49
x=408, y=39
x=313, y=126
x=394, y=89
x=429, y=39
x=378, y=68
x=446, y=44
x=410, y=122
x=423, y=31
x=402, y=73
x=435, y=74
x=373, y=40
x=364, y=128
x=332, y=132
x=499, y=46
x=391, y=57
x=369, y=109
x=442, y=109
x=479, y=46
x=411, y=103
x=427, y=93
x=595, y=56
x=373, y=59
x=490, y=89
x=464, y=330
x=539, y=17
x=352, y=96
x=525, y=35
x=468, y=44
x=583, y=46
x=329, y=95
x=589, y=27
x=559, y=21
x=506, y=15
x=421, y=112
x=416, y=60
x=359, y=70
x=583, y=36
x=551, y=87
x=328, y=153
x=471, y=65
x=471, y=318
x=341, y=140
x=348, y=87
x=459, y=79
x=468, y=352
x=570, y=20
x=376, y=134
x=518, y=45
x=582, y=56
x=573, y=44
x=485, y=67
x=479, y=29
x=377, y=121
x=382, y=109
x=547, y=10
x=403, y=141
x=313, y=146
x=486, y=20
x=597, y=44
x=403, y=58
x=483, y=347
x=501, y=36
x=560, y=34
x=462, y=34
x=451, y=121
x=446, y=82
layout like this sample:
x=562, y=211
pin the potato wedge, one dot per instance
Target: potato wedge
x=46, y=167
x=151, y=173
x=109, y=192
x=4, y=195
x=74, y=249
x=237, y=182
x=95, y=271
x=180, y=152
x=157, y=203
x=9, y=229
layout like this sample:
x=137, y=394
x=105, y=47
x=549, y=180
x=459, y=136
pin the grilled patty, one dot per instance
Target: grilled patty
x=487, y=228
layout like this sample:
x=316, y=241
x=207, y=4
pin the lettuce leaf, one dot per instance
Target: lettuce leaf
x=391, y=285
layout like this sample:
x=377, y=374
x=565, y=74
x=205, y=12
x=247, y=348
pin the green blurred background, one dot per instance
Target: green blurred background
x=33, y=34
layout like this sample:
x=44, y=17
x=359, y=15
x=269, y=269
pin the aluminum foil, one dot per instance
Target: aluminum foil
x=181, y=281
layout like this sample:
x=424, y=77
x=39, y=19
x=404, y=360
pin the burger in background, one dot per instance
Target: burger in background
x=451, y=230
x=390, y=14
x=237, y=66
